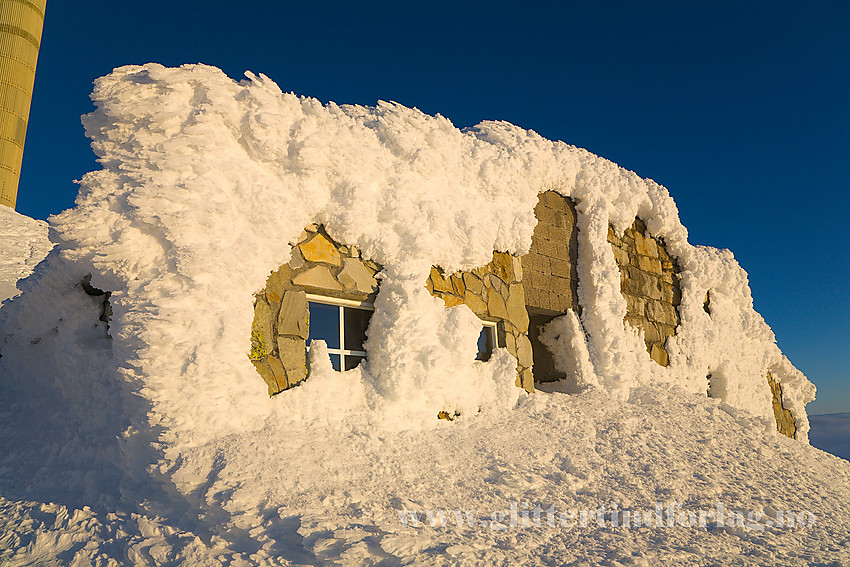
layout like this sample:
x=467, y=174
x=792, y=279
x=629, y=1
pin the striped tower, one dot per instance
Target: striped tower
x=21, y=22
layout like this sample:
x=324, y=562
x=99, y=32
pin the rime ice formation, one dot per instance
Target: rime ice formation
x=206, y=184
x=24, y=244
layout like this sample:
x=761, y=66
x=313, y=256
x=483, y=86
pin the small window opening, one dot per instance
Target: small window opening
x=342, y=325
x=486, y=341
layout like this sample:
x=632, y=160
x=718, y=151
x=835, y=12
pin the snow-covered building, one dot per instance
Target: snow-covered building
x=240, y=344
x=241, y=225
x=327, y=292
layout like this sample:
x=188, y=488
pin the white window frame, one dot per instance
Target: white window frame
x=342, y=352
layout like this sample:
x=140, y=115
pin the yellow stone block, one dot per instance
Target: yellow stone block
x=320, y=249
x=475, y=303
x=440, y=283
x=503, y=267
x=496, y=304
x=458, y=285
x=659, y=354
x=452, y=300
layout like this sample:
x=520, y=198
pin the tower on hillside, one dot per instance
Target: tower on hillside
x=21, y=23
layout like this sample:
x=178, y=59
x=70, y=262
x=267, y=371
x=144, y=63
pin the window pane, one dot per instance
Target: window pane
x=335, y=361
x=351, y=361
x=356, y=321
x=485, y=344
x=324, y=324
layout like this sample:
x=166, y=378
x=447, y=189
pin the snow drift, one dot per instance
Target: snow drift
x=158, y=414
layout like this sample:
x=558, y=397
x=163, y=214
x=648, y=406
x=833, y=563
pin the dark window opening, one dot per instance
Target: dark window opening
x=486, y=342
x=544, y=364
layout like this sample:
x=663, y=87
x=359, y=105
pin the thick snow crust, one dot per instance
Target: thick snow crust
x=154, y=439
x=24, y=244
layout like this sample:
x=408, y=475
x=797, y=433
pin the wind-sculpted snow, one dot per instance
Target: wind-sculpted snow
x=24, y=244
x=206, y=181
x=154, y=440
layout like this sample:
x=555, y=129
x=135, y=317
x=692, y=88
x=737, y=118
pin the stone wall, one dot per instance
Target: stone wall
x=550, y=269
x=649, y=281
x=494, y=293
x=519, y=294
x=523, y=294
x=785, y=423
x=281, y=325
x=509, y=291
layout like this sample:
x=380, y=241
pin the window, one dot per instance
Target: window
x=342, y=324
x=486, y=341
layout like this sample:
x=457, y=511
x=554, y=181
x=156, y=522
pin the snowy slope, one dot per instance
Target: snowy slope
x=151, y=439
x=319, y=493
x=24, y=244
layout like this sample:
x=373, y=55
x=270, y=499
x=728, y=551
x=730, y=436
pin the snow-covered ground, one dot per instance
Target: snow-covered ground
x=151, y=440
x=343, y=493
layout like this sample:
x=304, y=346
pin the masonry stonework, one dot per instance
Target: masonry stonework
x=649, y=281
x=550, y=268
x=785, y=423
x=523, y=294
x=281, y=319
x=519, y=294
x=494, y=293
x=550, y=275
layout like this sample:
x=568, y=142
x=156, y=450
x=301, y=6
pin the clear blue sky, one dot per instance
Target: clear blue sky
x=739, y=108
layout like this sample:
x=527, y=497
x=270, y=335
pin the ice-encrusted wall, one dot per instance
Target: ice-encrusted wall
x=649, y=281
x=521, y=294
x=493, y=292
x=204, y=178
x=281, y=319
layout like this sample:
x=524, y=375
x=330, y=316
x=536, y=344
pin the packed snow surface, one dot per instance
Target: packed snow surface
x=316, y=492
x=150, y=437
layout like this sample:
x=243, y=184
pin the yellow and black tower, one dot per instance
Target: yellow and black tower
x=21, y=23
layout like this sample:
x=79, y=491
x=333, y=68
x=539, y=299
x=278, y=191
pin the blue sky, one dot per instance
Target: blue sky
x=739, y=108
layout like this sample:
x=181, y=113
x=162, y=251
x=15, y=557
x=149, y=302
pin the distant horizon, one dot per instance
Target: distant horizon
x=825, y=414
